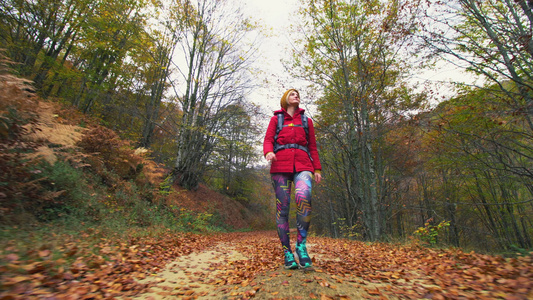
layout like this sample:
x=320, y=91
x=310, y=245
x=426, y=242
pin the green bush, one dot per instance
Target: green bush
x=64, y=190
x=429, y=234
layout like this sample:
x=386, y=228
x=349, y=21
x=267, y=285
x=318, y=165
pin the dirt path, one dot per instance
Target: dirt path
x=223, y=271
x=196, y=275
x=249, y=265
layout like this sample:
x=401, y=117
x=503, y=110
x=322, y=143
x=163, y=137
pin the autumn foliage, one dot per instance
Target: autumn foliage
x=107, y=151
x=18, y=111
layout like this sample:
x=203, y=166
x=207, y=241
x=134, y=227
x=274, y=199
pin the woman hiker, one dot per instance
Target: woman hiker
x=290, y=147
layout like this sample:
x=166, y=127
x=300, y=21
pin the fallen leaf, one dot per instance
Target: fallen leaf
x=12, y=257
x=44, y=253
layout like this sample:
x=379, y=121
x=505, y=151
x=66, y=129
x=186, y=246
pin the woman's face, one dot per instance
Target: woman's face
x=293, y=99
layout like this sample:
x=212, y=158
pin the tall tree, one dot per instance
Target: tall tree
x=157, y=81
x=236, y=152
x=352, y=49
x=213, y=74
x=111, y=33
x=47, y=28
x=485, y=177
x=491, y=38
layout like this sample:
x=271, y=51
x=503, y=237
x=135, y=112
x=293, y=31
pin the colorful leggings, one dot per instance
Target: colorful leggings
x=282, y=186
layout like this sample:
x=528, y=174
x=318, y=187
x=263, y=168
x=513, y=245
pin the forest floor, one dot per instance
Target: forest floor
x=224, y=271
x=248, y=265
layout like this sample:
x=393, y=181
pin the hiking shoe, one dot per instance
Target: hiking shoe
x=303, y=258
x=290, y=263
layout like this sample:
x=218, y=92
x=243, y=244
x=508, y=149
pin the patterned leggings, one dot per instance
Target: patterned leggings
x=282, y=186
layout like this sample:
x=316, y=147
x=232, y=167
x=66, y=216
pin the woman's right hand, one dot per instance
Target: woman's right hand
x=270, y=157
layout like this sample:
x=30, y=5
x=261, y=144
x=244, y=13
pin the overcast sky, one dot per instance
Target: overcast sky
x=278, y=15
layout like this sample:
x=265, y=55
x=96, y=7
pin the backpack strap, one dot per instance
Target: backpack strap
x=279, y=127
x=305, y=124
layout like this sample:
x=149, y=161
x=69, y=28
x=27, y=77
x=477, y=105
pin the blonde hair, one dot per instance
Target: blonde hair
x=285, y=98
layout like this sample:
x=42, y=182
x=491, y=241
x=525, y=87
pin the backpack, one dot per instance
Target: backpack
x=305, y=125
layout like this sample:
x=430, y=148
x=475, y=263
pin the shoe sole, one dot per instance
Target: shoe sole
x=293, y=267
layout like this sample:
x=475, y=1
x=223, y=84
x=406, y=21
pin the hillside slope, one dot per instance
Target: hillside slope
x=32, y=130
x=58, y=131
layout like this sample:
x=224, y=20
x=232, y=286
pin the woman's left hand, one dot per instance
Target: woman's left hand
x=318, y=177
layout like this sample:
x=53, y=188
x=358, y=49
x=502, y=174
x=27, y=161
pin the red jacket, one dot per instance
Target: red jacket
x=290, y=160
